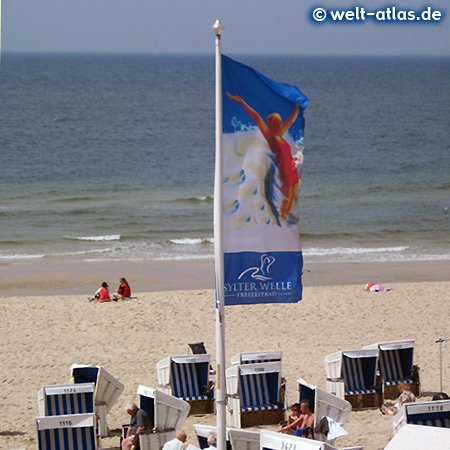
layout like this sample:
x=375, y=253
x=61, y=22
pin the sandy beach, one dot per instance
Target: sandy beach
x=48, y=325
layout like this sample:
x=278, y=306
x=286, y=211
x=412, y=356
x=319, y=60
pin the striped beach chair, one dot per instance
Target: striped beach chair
x=66, y=399
x=107, y=390
x=66, y=432
x=254, y=394
x=323, y=404
x=395, y=363
x=432, y=414
x=257, y=357
x=187, y=378
x=352, y=375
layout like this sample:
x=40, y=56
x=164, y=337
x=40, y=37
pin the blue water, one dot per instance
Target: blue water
x=112, y=157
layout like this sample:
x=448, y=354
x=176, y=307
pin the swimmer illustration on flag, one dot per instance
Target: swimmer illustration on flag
x=262, y=142
x=273, y=132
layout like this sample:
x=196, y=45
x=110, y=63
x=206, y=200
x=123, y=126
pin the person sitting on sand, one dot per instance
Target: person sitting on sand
x=406, y=396
x=124, y=290
x=303, y=418
x=102, y=295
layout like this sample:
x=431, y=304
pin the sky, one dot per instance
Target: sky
x=251, y=27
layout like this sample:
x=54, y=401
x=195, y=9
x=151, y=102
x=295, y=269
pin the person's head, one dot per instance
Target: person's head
x=402, y=387
x=181, y=435
x=305, y=406
x=131, y=409
x=212, y=439
x=440, y=396
x=275, y=123
x=123, y=280
x=295, y=408
x=105, y=285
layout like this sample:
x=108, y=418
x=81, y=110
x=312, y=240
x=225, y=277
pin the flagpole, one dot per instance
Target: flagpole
x=220, y=390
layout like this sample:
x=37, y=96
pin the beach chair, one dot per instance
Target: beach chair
x=202, y=431
x=167, y=414
x=395, y=363
x=66, y=399
x=198, y=348
x=107, y=390
x=187, y=377
x=253, y=392
x=417, y=437
x=352, y=375
x=257, y=357
x=235, y=439
x=323, y=404
x=434, y=414
x=67, y=432
x=278, y=441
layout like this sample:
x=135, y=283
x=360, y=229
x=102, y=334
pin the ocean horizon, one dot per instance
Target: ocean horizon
x=111, y=157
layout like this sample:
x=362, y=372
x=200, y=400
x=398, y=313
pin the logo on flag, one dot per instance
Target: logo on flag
x=262, y=144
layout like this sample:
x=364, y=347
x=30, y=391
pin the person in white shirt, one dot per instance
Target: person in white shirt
x=177, y=443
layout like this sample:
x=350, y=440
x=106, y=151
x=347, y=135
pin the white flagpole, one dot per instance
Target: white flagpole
x=220, y=390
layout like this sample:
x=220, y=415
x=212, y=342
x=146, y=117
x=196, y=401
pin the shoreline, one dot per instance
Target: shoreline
x=84, y=278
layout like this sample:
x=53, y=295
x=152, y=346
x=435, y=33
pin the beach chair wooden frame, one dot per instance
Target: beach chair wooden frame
x=253, y=392
x=395, y=364
x=324, y=404
x=435, y=414
x=67, y=432
x=187, y=377
x=257, y=357
x=107, y=390
x=352, y=375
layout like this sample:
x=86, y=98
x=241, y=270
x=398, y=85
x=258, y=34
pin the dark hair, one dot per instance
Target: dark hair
x=296, y=406
x=124, y=280
x=105, y=285
x=440, y=396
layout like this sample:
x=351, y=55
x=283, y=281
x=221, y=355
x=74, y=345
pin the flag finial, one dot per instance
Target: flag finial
x=217, y=28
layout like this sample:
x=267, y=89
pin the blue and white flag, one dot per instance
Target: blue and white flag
x=262, y=142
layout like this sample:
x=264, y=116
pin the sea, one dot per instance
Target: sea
x=111, y=157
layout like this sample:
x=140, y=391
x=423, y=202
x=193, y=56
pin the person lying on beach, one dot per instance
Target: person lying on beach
x=300, y=420
x=102, y=295
x=124, y=290
x=406, y=396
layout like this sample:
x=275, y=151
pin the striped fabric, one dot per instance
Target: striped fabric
x=257, y=361
x=188, y=380
x=395, y=365
x=438, y=422
x=77, y=403
x=67, y=439
x=396, y=382
x=358, y=375
x=255, y=393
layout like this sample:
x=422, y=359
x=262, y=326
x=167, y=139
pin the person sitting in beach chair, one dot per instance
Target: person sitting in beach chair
x=301, y=421
x=140, y=421
x=406, y=396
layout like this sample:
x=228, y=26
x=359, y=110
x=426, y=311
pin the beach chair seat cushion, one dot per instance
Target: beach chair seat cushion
x=362, y=391
x=195, y=397
x=260, y=408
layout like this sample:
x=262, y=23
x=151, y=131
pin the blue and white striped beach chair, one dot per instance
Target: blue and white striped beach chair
x=107, y=390
x=257, y=357
x=433, y=414
x=187, y=378
x=352, y=375
x=395, y=363
x=254, y=388
x=66, y=399
x=66, y=432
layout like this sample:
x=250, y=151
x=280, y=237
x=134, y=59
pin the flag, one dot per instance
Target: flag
x=262, y=142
